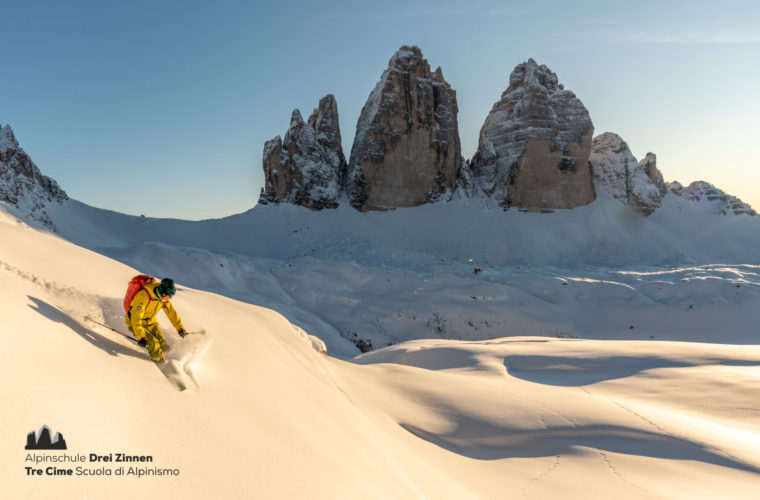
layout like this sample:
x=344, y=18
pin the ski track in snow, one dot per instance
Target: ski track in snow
x=67, y=301
x=382, y=278
x=605, y=457
x=533, y=381
x=541, y=476
x=666, y=432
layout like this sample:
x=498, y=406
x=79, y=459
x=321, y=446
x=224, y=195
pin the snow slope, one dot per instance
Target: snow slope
x=269, y=416
x=270, y=419
x=360, y=279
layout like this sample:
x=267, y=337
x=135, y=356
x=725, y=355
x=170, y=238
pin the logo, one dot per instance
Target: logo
x=42, y=440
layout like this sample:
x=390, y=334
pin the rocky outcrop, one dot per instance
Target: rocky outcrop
x=705, y=193
x=306, y=167
x=534, y=145
x=535, y=151
x=649, y=164
x=21, y=182
x=617, y=172
x=406, y=150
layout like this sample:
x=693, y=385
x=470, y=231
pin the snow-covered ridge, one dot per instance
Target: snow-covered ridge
x=534, y=150
x=618, y=173
x=333, y=273
x=250, y=256
x=705, y=194
x=21, y=182
x=538, y=416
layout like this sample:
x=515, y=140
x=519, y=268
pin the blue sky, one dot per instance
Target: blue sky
x=162, y=108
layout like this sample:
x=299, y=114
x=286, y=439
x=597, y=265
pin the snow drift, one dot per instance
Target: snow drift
x=272, y=417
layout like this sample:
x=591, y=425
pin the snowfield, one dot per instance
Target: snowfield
x=589, y=353
x=458, y=271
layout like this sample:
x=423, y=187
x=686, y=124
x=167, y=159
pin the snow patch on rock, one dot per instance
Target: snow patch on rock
x=534, y=145
x=306, y=167
x=22, y=185
x=716, y=200
x=618, y=173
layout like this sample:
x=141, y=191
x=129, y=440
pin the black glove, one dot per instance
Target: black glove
x=143, y=342
x=182, y=333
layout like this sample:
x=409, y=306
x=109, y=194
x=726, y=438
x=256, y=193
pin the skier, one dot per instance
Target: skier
x=141, y=317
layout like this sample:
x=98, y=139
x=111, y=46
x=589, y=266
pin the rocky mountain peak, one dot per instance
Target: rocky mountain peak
x=408, y=58
x=296, y=120
x=536, y=150
x=307, y=166
x=406, y=150
x=534, y=145
x=8, y=143
x=706, y=194
x=649, y=164
x=21, y=182
x=324, y=120
x=531, y=74
x=618, y=173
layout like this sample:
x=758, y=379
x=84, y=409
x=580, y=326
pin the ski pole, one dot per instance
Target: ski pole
x=112, y=329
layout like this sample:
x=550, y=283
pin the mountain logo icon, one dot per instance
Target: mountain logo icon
x=43, y=441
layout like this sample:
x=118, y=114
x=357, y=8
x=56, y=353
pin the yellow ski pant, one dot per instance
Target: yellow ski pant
x=155, y=339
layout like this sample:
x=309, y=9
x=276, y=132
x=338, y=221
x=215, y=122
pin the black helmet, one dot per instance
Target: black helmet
x=167, y=287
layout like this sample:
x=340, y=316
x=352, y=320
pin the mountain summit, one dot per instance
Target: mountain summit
x=307, y=167
x=534, y=145
x=406, y=149
x=616, y=171
x=21, y=182
x=536, y=150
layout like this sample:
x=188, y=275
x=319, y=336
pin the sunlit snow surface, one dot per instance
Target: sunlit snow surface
x=459, y=271
x=491, y=396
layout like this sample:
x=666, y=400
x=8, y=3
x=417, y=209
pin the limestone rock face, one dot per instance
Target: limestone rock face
x=324, y=121
x=21, y=182
x=406, y=150
x=617, y=172
x=649, y=164
x=306, y=167
x=534, y=145
x=706, y=194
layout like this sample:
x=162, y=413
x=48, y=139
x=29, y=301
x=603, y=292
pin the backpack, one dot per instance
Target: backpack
x=135, y=285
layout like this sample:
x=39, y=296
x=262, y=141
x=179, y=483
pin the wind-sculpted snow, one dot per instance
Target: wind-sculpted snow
x=638, y=399
x=365, y=280
x=538, y=416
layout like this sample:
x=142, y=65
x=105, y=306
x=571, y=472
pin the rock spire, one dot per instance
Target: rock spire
x=21, y=182
x=616, y=171
x=406, y=150
x=306, y=167
x=534, y=145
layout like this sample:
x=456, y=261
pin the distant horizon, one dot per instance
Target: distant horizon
x=141, y=214
x=178, y=103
